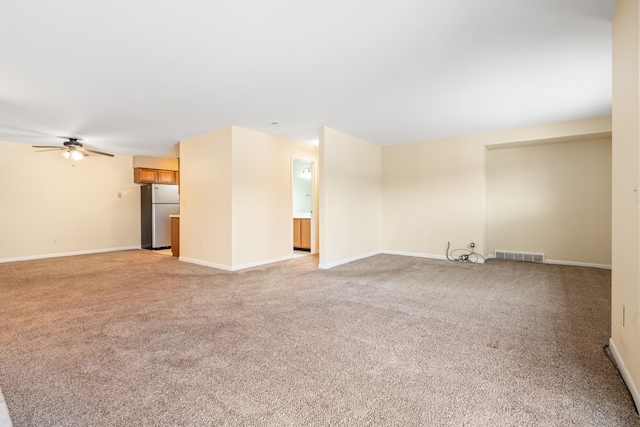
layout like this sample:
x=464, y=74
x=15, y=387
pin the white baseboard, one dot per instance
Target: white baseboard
x=415, y=254
x=400, y=253
x=347, y=260
x=5, y=419
x=430, y=256
x=578, y=264
x=259, y=263
x=91, y=251
x=625, y=373
x=205, y=263
x=234, y=267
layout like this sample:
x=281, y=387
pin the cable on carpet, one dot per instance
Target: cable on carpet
x=464, y=255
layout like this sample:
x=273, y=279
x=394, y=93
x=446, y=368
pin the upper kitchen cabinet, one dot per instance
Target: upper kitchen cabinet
x=145, y=176
x=154, y=176
x=166, y=177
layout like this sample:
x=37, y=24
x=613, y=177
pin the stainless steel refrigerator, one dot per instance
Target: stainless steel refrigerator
x=157, y=202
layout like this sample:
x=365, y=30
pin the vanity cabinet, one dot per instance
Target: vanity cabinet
x=302, y=233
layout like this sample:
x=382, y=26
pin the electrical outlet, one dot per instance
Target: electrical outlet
x=55, y=240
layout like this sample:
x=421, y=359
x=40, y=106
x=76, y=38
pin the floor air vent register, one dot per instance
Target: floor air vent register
x=520, y=256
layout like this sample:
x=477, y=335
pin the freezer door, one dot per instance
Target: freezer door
x=164, y=193
x=161, y=234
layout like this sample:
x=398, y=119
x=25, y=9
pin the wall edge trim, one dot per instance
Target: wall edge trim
x=259, y=263
x=348, y=260
x=415, y=254
x=5, y=419
x=578, y=264
x=429, y=256
x=205, y=263
x=626, y=376
x=63, y=254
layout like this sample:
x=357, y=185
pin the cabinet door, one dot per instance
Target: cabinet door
x=175, y=236
x=305, y=233
x=145, y=176
x=166, y=177
x=296, y=233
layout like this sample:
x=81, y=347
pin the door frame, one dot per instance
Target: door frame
x=314, y=207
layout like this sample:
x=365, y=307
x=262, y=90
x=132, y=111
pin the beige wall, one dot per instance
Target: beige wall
x=155, y=163
x=236, y=209
x=205, y=199
x=435, y=190
x=625, y=296
x=551, y=198
x=46, y=197
x=350, y=199
x=262, y=196
x=431, y=192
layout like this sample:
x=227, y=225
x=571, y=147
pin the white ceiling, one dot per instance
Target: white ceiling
x=137, y=76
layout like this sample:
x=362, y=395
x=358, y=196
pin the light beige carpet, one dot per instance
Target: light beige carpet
x=140, y=339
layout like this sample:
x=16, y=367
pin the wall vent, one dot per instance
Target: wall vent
x=520, y=256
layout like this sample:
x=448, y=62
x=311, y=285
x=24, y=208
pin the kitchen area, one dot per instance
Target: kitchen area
x=159, y=203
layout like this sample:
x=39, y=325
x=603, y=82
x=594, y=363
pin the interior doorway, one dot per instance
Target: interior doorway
x=303, y=202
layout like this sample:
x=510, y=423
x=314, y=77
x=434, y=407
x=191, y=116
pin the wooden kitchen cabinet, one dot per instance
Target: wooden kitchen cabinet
x=302, y=233
x=175, y=236
x=166, y=177
x=154, y=176
x=145, y=176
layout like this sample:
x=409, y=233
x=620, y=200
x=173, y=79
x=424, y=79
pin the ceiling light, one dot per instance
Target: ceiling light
x=306, y=173
x=75, y=155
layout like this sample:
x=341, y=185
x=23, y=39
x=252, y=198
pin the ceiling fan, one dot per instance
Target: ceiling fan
x=72, y=149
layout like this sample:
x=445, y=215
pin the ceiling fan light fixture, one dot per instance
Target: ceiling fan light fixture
x=73, y=154
x=73, y=150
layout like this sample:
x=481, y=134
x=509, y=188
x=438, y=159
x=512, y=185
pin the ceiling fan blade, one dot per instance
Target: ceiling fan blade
x=97, y=152
x=48, y=146
x=49, y=149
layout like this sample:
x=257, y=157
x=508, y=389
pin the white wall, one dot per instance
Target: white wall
x=262, y=227
x=205, y=199
x=52, y=206
x=155, y=163
x=625, y=282
x=350, y=198
x=236, y=198
x=432, y=191
x=435, y=190
x=553, y=199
